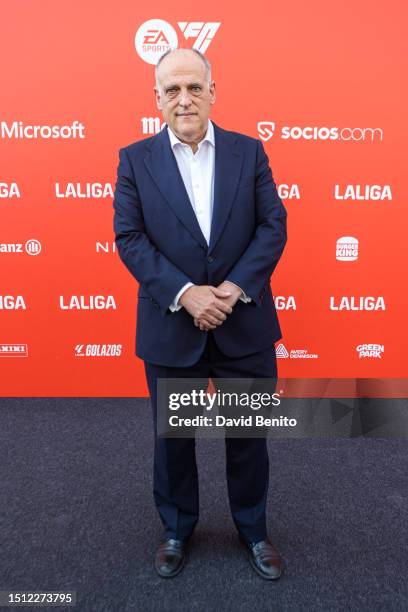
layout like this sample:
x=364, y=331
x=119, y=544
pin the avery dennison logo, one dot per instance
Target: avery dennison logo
x=283, y=353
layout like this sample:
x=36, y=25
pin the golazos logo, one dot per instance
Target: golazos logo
x=31, y=247
x=373, y=351
x=13, y=350
x=347, y=249
x=98, y=350
x=283, y=353
x=266, y=129
x=156, y=36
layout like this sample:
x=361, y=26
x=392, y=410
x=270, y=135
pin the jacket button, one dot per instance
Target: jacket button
x=210, y=259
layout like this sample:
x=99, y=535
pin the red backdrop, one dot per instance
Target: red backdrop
x=337, y=68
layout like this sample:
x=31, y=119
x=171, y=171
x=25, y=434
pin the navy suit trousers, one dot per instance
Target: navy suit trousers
x=175, y=477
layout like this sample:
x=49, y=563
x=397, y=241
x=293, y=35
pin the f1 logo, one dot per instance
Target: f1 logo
x=266, y=130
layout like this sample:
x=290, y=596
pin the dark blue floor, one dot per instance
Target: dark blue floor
x=77, y=514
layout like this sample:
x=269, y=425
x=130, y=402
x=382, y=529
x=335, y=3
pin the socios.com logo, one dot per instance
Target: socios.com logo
x=266, y=129
x=156, y=36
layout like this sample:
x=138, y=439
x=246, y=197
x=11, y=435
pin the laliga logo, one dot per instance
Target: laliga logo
x=266, y=130
x=156, y=36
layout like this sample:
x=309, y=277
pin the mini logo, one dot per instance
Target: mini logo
x=33, y=247
x=13, y=350
x=347, y=249
x=373, y=351
x=153, y=38
x=282, y=353
x=266, y=130
x=98, y=350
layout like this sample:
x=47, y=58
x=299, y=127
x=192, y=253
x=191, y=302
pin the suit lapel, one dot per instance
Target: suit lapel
x=228, y=163
x=162, y=166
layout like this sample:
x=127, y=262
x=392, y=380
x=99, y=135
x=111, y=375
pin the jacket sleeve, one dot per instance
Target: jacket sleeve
x=254, y=268
x=159, y=276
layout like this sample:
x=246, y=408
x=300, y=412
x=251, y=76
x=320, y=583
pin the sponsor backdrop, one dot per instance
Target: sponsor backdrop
x=319, y=83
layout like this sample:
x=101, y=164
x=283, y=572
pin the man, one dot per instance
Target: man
x=199, y=224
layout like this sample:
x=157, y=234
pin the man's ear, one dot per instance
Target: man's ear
x=158, y=98
x=212, y=92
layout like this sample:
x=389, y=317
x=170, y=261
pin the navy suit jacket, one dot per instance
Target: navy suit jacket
x=160, y=241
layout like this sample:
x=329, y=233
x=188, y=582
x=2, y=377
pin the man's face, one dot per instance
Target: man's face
x=185, y=95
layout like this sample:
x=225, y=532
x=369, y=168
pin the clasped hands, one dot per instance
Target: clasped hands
x=209, y=306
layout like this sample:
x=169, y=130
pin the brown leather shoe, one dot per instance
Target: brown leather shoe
x=265, y=559
x=170, y=558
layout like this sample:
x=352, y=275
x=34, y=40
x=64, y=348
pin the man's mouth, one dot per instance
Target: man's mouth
x=185, y=114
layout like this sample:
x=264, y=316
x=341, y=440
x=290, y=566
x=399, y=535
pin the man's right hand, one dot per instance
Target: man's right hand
x=206, y=303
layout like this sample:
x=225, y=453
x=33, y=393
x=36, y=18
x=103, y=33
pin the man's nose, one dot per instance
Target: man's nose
x=184, y=99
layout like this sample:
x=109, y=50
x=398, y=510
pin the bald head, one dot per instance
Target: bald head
x=181, y=53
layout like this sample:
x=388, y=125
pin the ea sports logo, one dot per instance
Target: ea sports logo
x=153, y=38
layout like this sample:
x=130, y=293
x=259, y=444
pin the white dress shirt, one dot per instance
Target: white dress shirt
x=197, y=172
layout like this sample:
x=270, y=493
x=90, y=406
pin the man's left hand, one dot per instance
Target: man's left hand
x=231, y=301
